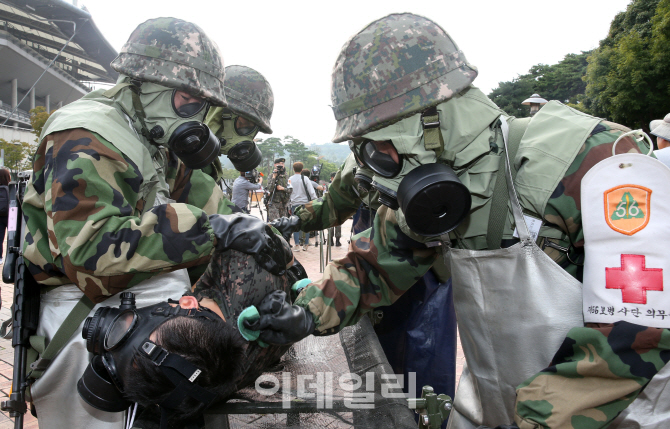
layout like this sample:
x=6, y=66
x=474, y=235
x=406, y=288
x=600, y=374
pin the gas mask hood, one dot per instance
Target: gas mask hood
x=411, y=180
x=171, y=118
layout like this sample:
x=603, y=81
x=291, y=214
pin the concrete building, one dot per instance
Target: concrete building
x=32, y=32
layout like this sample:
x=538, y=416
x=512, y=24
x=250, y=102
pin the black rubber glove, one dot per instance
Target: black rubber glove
x=281, y=323
x=250, y=235
x=287, y=225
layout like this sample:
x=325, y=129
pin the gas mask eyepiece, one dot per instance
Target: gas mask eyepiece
x=194, y=144
x=433, y=199
x=379, y=156
x=185, y=105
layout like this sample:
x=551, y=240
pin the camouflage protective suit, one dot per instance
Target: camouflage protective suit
x=277, y=202
x=395, y=69
x=384, y=262
x=107, y=210
x=93, y=216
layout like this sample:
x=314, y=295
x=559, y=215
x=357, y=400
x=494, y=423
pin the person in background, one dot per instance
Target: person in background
x=661, y=129
x=278, y=197
x=5, y=178
x=303, y=192
x=241, y=187
x=316, y=186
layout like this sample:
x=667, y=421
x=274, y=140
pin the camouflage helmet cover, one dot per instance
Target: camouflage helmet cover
x=249, y=95
x=176, y=54
x=395, y=67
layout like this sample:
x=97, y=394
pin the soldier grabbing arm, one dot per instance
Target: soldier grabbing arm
x=117, y=199
x=437, y=147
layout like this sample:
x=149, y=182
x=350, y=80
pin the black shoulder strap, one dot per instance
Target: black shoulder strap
x=302, y=179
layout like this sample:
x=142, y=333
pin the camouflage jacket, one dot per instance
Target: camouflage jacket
x=279, y=197
x=383, y=262
x=87, y=222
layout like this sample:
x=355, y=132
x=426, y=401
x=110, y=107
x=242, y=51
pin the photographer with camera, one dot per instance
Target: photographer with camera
x=248, y=181
x=277, y=197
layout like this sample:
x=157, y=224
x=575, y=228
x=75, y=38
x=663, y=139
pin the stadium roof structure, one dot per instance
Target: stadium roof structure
x=32, y=32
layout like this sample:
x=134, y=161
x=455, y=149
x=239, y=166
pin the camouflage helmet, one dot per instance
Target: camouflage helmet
x=176, y=54
x=249, y=95
x=395, y=67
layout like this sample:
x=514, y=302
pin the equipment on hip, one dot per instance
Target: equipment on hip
x=115, y=336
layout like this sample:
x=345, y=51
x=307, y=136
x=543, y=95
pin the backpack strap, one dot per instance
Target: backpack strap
x=302, y=179
x=498, y=213
x=60, y=338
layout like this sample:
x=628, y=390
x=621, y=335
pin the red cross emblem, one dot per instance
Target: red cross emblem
x=634, y=279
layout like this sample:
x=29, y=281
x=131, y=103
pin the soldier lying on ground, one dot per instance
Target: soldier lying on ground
x=232, y=283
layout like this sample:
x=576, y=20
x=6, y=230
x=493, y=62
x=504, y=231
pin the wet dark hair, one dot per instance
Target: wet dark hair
x=213, y=346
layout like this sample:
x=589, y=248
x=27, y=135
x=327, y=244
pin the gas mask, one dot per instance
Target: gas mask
x=172, y=118
x=116, y=336
x=237, y=141
x=410, y=177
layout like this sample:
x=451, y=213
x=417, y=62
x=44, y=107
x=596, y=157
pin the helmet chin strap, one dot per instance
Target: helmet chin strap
x=432, y=134
x=134, y=86
x=139, y=110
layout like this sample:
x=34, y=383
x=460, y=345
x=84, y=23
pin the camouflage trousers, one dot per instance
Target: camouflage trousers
x=235, y=281
x=597, y=372
x=276, y=211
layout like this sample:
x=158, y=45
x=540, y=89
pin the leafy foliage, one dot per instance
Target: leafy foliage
x=625, y=80
x=38, y=117
x=18, y=154
x=562, y=82
x=628, y=76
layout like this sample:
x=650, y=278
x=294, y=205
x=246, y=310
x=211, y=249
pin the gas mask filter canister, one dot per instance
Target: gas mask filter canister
x=173, y=118
x=433, y=199
x=410, y=178
x=238, y=134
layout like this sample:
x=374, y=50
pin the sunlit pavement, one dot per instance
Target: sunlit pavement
x=309, y=259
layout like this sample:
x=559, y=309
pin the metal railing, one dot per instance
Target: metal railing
x=19, y=116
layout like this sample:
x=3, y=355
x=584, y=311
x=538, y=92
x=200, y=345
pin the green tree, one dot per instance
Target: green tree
x=38, y=117
x=17, y=155
x=297, y=151
x=561, y=81
x=628, y=76
x=509, y=95
x=271, y=149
